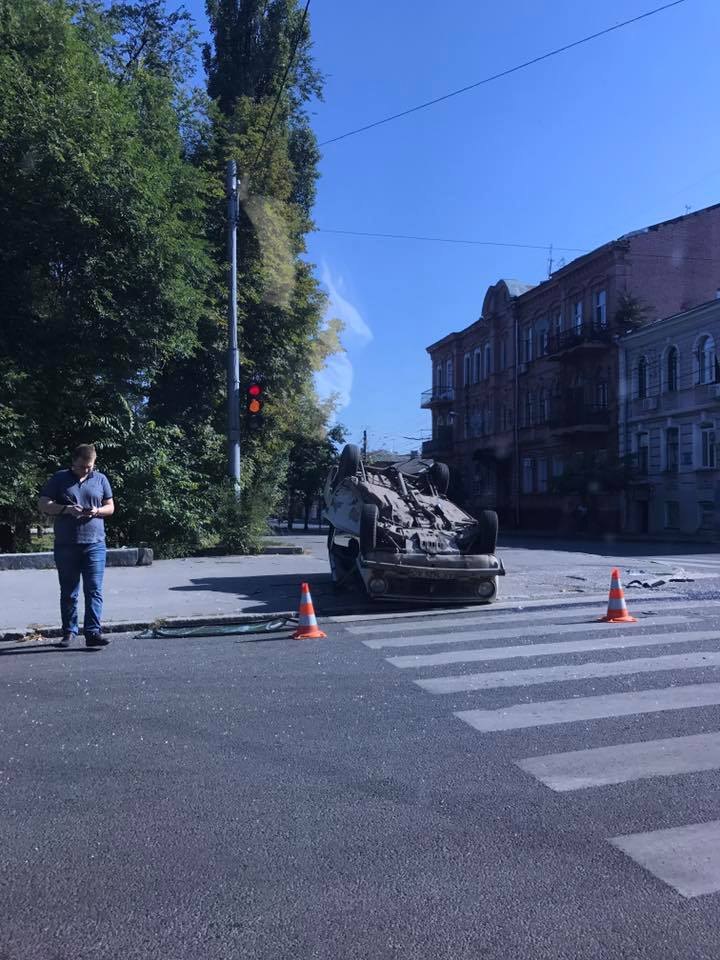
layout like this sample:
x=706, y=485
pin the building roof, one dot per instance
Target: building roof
x=517, y=287
x=684, y=316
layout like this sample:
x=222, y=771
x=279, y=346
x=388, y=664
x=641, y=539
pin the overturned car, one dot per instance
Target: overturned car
x=394, y=528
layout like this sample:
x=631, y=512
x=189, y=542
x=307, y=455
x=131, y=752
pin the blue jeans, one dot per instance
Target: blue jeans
x=86, y=560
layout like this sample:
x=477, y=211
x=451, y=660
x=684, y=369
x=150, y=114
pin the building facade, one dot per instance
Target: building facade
x=669, y=426
x=524, y=401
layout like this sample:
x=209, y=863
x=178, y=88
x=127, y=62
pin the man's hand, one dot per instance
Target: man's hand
x=91, y=511
x=74, y=510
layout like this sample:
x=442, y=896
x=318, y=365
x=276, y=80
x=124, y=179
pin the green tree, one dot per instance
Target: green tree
x=104, y=272
x=312, y=453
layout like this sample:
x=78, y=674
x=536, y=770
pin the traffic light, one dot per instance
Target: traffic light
x=254, y=402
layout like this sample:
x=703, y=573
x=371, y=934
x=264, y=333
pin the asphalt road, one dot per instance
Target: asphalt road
x=281, y=799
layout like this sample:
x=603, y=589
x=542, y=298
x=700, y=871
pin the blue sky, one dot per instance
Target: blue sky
x=611, y=136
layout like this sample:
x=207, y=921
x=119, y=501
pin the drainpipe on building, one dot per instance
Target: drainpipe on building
x=516, y=417
x=623, y=417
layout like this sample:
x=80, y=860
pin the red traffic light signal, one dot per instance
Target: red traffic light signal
x=254, y=402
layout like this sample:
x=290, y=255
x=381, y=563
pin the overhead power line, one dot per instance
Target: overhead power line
x=519, y=246
x=475, y=243
x=291, y=60
x=503, y=73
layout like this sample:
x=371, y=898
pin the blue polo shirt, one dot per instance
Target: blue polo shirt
x=64, y=487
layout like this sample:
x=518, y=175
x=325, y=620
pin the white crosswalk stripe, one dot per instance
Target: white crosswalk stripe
x=580, y=769
x=710, y=563
x=524, y=615
x=572, y=671
x=686, y=858
x=596, y=707
x=516, y=632
x=616, y=641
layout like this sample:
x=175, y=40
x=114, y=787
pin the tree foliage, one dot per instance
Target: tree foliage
x=112, y=258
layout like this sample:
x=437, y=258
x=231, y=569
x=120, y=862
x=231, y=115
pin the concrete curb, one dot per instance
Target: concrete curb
x=340, y=615
x=116, y=557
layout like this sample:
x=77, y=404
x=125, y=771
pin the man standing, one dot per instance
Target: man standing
x=79, y=498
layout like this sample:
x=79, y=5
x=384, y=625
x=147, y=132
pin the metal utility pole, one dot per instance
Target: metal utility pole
x=233, y=358
x=364, y=447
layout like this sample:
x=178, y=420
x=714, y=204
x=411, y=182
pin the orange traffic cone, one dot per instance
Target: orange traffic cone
x=617, y=611
x=307, y=624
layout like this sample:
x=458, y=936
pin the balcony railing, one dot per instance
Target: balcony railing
x=584, y=415
x=583, y=335
x=437, y=395
x=440, y=445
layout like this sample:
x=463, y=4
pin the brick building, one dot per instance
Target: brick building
x=670, y=425
x=525, y=398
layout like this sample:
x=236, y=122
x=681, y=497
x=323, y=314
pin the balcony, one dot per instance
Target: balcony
x=583, y=418
x=441, y=445
x=437, y=396
x=587, y=336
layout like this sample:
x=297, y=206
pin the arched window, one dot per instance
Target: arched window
x=705, y=360
x=449, y=373
x=642, y=378
x=488, y=359
x=529, y=408
x=477, y=366
x=467, y=370
x=671, y=370
x=438, y=375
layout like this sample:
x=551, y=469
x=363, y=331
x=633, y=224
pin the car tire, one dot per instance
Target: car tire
x=487, y=538
x=348, y=464
x=368, y=528
x=439, y=475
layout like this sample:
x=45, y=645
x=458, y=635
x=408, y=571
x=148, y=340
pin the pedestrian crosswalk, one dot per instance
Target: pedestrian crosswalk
x=685, y=857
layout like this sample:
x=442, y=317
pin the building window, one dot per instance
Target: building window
x=529, y=409
x=578, y=316
x=488, y=360
x=672, y=449
x=672, y=514
x=467, y=370
x=544, y=341
x=487, y=420
x=528, y=476
x=527, y=345
x=706, y=515
x=438, y=375
x=449, y=377
x=558, y=467
x=707, y=446
x=542, y=475
x=643, y=453
x=671, y=370
x=503, y=353
x=477, y=366
x=600, y=309
x=601, y=395
x=542, y=411
x=705, y=361
x=642, y=378
x=557, y=322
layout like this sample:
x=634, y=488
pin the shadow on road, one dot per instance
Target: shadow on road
x=277, y=594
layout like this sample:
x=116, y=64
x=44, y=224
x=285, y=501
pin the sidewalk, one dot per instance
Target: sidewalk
x=209, y=588
x=193, y=587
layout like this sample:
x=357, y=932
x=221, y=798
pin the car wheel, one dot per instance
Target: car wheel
x=348, y=464
x=439, y=475
x=368, y=527
x=487, y=539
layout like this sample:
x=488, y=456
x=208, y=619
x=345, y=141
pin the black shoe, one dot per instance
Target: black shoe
x=96, y=640
x=67, y=640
